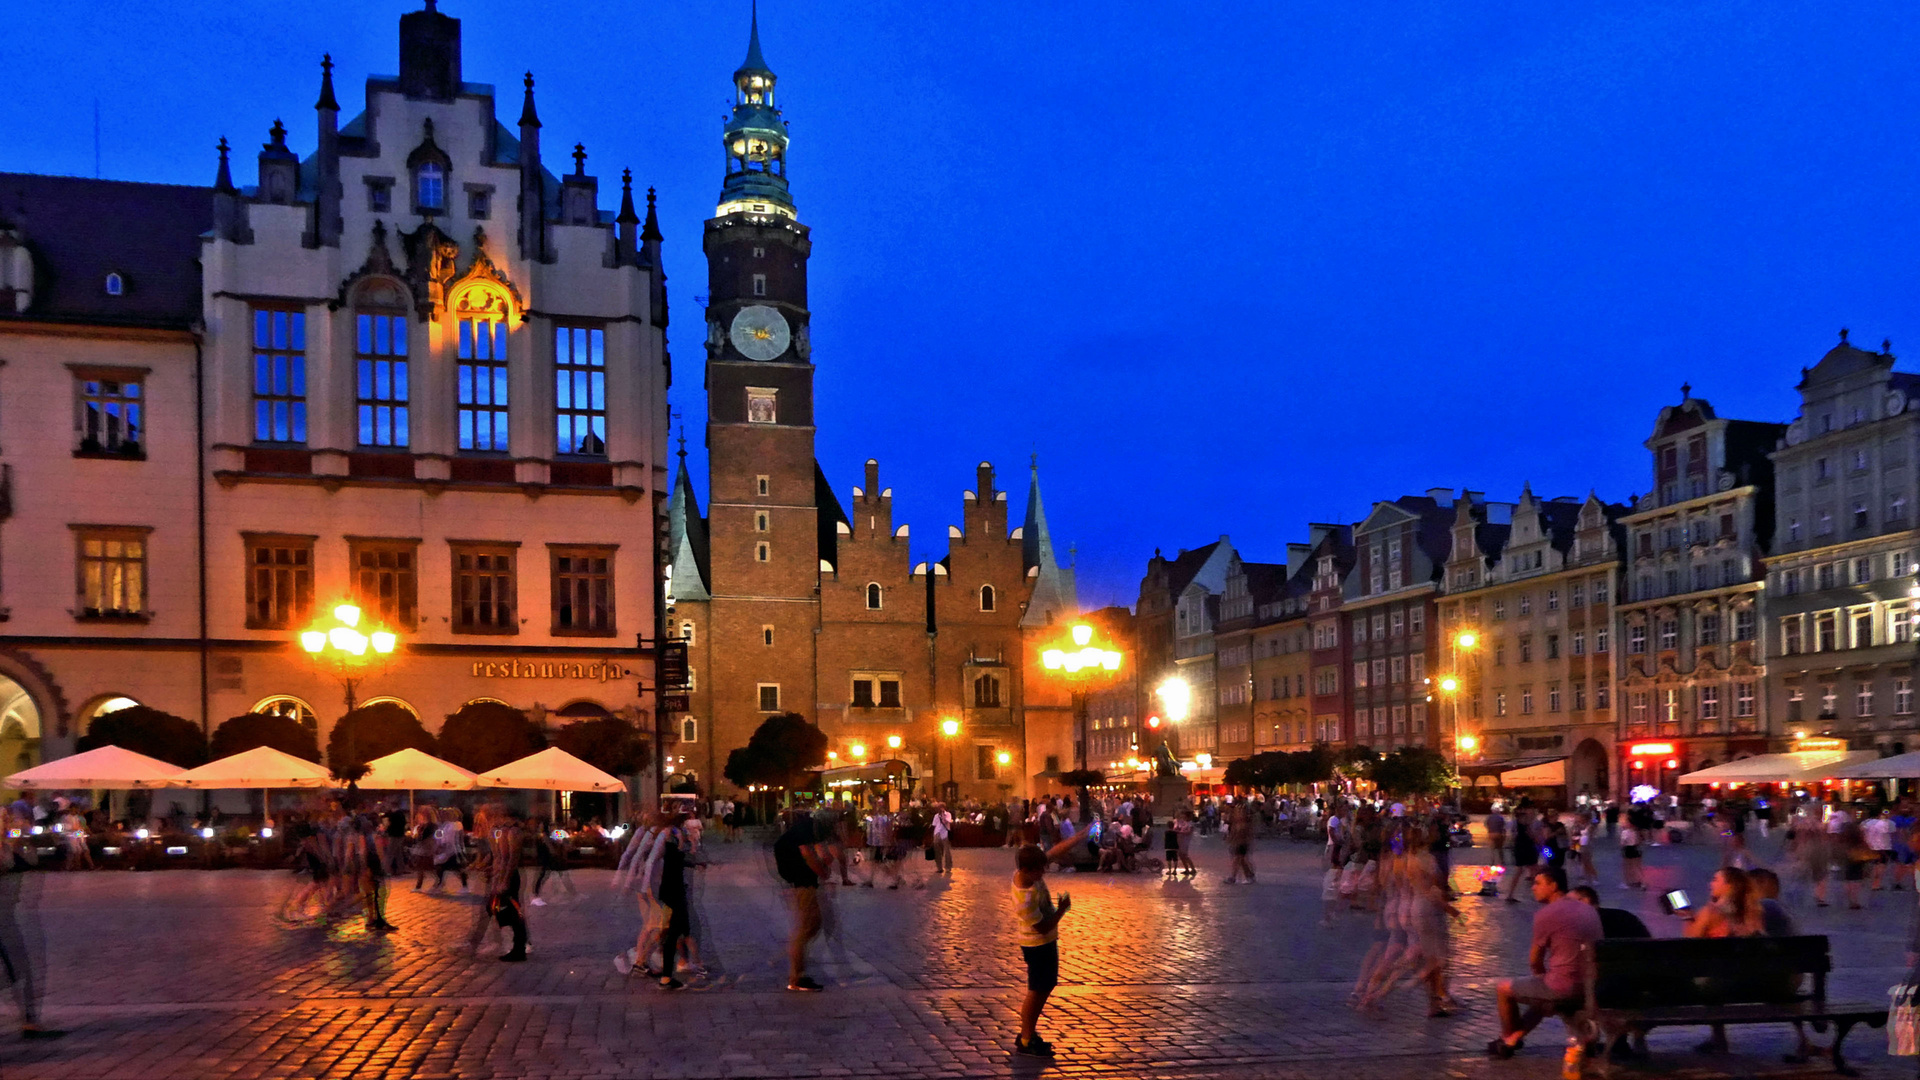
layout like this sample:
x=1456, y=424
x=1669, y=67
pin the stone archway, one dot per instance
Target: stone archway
x=20, y=728
x=1587, y=769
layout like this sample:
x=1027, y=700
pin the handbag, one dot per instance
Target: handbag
x=930, y=855
x=1903, y=1022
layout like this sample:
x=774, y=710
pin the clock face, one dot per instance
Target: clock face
x=760, y=333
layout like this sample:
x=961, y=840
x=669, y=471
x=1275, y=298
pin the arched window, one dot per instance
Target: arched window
x=689, y=729
x=986, y=598
x=482, y=377
x=686, y=633
x=390, y=701
x=115, y=285
x=381, y=376
x=873, y=597
x=986, y=692
x=430, y=186
x=285, y=705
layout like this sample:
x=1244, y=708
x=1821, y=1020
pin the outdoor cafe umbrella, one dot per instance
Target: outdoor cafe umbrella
x=412, y=770
x=1898, y=767
x=262, y=767
x=552, y=769
x=106, y=767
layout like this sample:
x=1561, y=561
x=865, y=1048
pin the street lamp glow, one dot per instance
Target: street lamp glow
x=858, y=750
x=1468, y=742
x=313, y=640
x=348, y=614
x=1449, y=684
x=1005, y=758
x=1178, y=696
x=1203, y=760
x=1467, y=639
x=833, y=755
x=1054, y=659
x=893, y=742
x=383, y=641
x=1083, y=635
x=950, y=728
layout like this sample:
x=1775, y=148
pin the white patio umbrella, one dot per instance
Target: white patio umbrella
x=413, y=770
x=1898, y=767
x=552, y=769
x=106, y=767
x=262, y=767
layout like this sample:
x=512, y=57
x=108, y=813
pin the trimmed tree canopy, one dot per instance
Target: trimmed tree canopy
x=1412, y=770
x=485, y=735
x=249, y=730
x=143, y=730
x=373, y=731
x=607, y=743
x=784, y=746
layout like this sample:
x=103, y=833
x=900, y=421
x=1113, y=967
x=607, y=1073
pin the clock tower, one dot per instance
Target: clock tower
x=763, y=517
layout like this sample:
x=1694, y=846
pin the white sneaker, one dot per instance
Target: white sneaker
x=537, y=902
x=623, y=965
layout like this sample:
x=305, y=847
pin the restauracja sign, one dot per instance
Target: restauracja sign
x=596, y=671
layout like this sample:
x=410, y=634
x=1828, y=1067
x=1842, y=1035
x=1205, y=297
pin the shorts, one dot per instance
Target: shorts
x=881, y=854
x=1240, y=851
x=1533, y=988
x=1630, y=851
x=1043, y=966
x=1853, y=870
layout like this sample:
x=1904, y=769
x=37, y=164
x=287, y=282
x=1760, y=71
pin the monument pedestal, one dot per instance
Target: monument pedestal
x=1169, y=795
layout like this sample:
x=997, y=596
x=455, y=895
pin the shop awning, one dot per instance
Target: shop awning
x=1500, y=768
x=411, y=770
x=1897, y=767
x=1551, y=773
x=890, y=771
x=1790, y=767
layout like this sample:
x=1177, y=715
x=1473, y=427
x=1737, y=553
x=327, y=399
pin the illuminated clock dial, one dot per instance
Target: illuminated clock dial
x=760, y=333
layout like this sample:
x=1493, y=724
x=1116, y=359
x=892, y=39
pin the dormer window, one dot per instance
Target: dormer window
x=115, y=285
x=430, y=187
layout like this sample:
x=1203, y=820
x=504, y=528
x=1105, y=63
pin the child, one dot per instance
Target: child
x=1039, y=935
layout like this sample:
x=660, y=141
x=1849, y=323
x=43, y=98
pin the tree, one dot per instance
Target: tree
x=143, y=730
x=607, y=743
x=373, y=731
x=1411, y=771
x=782, y=747
x=249, y=730
x=1243, y=772
x=485, y=735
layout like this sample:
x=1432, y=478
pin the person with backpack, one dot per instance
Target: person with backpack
x=800, y=856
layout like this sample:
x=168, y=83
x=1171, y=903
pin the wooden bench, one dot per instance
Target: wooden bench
x=1637, y=984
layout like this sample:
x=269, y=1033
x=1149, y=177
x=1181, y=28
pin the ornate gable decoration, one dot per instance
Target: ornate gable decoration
x=378, y=283
x=472, y=294
x=430, y=266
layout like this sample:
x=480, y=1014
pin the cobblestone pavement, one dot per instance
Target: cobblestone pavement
x=185, y=974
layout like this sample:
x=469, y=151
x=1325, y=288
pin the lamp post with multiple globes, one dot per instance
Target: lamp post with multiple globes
x=1080, y=666
x=348, y=651
x=1451, y=685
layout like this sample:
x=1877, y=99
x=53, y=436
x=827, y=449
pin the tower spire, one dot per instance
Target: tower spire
x=223, y=180
x=755, y=139
x=528, y=118
x=1054, y=593
x=754, y=61
x=327, y=100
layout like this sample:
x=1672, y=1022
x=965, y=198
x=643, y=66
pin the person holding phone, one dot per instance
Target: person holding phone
x=1039, y=933
x=1733, y=909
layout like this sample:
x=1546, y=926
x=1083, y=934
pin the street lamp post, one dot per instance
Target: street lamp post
x=1450, y=684
x=347, y=650
x=1078, y=665
x=951, y=729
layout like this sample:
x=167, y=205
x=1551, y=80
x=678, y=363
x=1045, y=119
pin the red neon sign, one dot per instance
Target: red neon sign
x=1650, y=749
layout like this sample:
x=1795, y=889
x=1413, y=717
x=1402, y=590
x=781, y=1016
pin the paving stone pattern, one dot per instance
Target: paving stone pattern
x=186, y=974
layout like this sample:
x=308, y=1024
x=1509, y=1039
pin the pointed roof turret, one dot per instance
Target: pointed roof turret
x=754, y=61
x=686, y=535
x=651, y=230
x=528, y=118
x=1054, y=596
x=223, y=180
x=627, y=213
x=327, y=100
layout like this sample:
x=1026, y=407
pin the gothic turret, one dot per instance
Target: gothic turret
x=756, y=140
x=279, y=168
x=533, y=183
x=1055, y=597
x=326, y=175
x=229, y=217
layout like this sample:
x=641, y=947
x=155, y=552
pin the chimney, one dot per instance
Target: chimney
x=429, y=54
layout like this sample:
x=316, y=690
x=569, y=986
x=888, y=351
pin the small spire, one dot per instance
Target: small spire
x=1686, y=391
x=1886, y=345
x=651, y=230
x=754, y=61
x=1843, y=335
x=327, y=100
x=683, y=442
x=579, y=159
x=223, y=180
x=627, y=214
x=529, y=118
x=278, y=133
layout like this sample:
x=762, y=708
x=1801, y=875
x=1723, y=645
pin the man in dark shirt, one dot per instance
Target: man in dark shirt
x=800, y=856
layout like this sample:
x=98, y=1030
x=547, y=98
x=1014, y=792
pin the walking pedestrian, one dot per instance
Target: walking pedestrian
x=675, y=856
x=1240, y=842
x=449, y=849
x=1632, y=874
x=1038, y=921
x=503, y=883
x=800, y=856
x=22, y=949
x=942, y=839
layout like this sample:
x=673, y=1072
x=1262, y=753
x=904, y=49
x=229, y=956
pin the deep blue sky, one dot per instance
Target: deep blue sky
x=1226, y=267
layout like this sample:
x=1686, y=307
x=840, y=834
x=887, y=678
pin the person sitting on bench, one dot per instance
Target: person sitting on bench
x=1561, y=929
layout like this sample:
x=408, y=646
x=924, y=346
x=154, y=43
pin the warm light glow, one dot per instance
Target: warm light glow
x=1054, y=659
x=893, y=742
x=1110, y=660
x=1449, y=684
x=1178, y=696
x=858, y=750
x=266, y=833
x=313, y=640
x=1083, y=634
x=1467, y=639
x=348, y=640
x=1005, y=758
x=1153, y=723
x=1468, y=742
x=1673, y=763
x=1133, y=763
x=383, y=641
x=950, y=728
x=348, y=614
x=1650, y=749
x=833, y=755
x=1203, y=760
